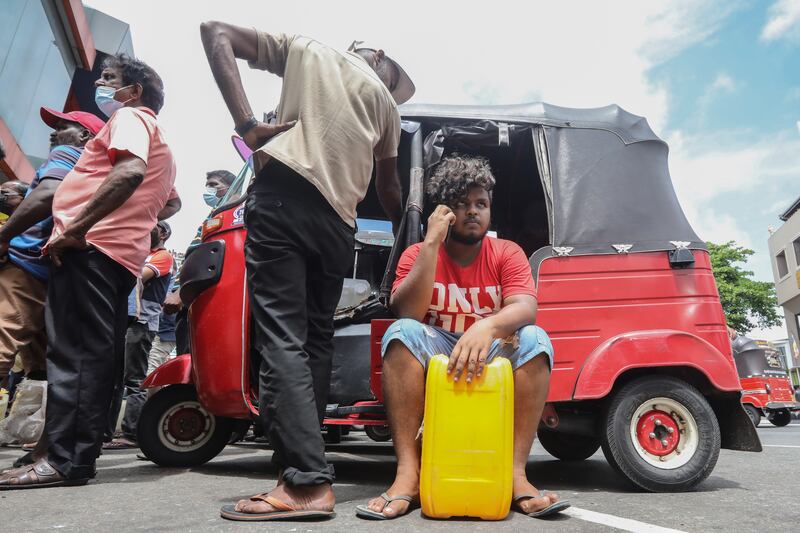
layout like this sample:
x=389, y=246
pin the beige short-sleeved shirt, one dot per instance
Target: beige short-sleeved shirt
x=345, y=117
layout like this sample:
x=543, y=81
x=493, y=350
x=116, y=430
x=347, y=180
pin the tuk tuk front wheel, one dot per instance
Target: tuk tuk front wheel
x=568, y=447
x=661, y=434
x=780, y=418
x=175, y=430
x=754, y=414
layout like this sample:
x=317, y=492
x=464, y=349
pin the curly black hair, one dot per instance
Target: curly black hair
x=455, y=175
x=135, y=71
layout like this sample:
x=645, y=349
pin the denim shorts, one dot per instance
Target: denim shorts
x=425, y=341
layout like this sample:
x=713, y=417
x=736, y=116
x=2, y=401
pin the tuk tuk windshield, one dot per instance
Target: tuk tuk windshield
x=235, y=193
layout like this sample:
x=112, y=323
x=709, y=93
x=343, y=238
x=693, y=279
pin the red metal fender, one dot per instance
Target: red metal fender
x=176, y=371
x=755, y=400
x=653, y=348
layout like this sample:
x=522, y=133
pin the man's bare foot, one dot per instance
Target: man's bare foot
x=404, y=485
x=531, y=505
x=310, y=498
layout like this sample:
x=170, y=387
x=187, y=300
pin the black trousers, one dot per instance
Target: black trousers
x=86, y=315
x=138, y=341
x=298, y=251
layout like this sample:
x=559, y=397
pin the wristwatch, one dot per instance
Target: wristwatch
x=247, y=126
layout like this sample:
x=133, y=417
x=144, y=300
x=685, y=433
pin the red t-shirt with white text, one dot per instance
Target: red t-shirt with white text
x=464, y=295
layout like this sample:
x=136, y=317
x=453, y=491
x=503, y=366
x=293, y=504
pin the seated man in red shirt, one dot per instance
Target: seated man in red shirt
x=473, y=297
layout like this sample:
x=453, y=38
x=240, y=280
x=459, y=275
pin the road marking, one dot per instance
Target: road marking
x=353, y=457
x=780, y=446
x=130, y=464
x=624, y=524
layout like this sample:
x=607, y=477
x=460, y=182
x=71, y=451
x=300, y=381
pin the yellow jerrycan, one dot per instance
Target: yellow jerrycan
x=467, y=442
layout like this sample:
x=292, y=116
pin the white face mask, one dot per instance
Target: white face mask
x=104, y=98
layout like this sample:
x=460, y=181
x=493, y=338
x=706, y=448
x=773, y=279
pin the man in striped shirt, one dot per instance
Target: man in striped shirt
x=23, y=270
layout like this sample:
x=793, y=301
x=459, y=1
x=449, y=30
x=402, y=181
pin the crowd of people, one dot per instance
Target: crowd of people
x=85, y=272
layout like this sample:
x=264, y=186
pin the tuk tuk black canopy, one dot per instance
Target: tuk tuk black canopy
x=603, y=171
x=754, y=358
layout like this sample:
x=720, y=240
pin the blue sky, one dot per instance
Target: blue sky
x=737, y=91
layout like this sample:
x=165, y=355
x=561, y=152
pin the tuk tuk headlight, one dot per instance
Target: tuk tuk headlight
x=211, y=225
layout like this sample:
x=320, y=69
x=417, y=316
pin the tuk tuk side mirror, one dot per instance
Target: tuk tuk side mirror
x=681, y=257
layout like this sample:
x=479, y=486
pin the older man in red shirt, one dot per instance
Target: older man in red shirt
x=103, y=213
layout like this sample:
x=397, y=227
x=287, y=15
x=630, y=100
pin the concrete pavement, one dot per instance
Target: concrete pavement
x=746, y=491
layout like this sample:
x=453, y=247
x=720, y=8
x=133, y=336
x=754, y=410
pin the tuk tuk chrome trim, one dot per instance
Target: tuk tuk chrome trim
x=622, y=248
x=563, y=251
x=503, y=136
x=754, y=391
x=680, y=245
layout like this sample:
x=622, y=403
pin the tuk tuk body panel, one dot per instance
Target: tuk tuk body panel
x=176, y=371
x=606, y=314
x=220, y=328
x=768, y=393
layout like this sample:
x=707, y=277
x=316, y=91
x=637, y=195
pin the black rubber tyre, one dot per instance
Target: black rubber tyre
x=568, y=447
x=378, y=433
x=332, y=435
x=698, y=428
x=175, y=430
x=754, y=413
x=780, y=418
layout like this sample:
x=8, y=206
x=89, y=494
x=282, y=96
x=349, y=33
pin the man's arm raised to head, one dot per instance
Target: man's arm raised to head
x=224, y=43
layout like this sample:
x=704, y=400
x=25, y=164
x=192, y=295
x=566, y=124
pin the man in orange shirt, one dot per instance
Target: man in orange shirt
x=103, y=213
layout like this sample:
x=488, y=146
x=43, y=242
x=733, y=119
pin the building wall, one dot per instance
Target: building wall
x=787, y=286
x=33, y=73
x=43, y=62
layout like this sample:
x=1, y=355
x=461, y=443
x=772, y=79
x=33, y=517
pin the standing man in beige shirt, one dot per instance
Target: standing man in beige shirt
x=337, y=117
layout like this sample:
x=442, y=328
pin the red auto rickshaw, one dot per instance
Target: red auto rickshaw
x=766, y=388
x=643, y=365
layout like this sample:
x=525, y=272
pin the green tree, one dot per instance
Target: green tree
x=747, y=303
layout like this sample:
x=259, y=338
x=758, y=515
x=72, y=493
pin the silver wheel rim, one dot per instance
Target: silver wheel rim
x=175, y=444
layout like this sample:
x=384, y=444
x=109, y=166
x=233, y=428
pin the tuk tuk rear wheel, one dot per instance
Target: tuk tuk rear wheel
x=780, y=418
x=378, y=433
x=661, y=434
x=754, y=414
x=568, y=447
x=175, y=430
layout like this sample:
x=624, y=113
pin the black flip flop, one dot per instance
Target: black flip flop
x=551, y=509
x=284, y=512
x=362, y=511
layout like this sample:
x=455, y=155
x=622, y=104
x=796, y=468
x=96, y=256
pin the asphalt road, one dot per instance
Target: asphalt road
x=746, y=492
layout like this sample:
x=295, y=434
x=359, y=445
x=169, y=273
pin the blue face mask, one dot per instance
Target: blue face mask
x=210, y=197
x=104, y=98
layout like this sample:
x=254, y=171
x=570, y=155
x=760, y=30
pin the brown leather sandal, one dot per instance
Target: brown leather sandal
x=35, y=476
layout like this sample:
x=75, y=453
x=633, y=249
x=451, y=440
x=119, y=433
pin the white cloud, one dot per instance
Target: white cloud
x=677, y=25
x=723, y=84
x=574, y=54
x=783, y=21
x=709, y=169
